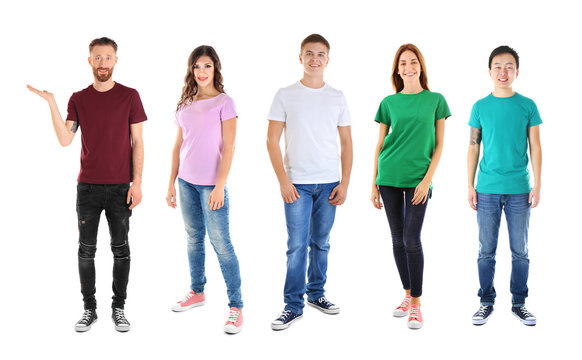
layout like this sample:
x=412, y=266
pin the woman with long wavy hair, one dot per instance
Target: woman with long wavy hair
x=201, y=160
x=412, y=128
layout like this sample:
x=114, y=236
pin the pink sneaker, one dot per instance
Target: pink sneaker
x=415, y=317
x=189, y=301
x=234, y=323
x=402, y=310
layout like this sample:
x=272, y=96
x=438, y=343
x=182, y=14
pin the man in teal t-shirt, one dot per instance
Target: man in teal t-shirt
x=506, y=122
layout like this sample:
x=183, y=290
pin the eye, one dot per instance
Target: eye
x=208, y=66
x=196, y=67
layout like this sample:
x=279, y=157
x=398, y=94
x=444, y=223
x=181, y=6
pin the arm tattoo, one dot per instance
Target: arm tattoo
x=475, y=138
x=75, y=126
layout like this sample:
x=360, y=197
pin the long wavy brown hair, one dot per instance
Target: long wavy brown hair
x=190, y=88
x=397, y=82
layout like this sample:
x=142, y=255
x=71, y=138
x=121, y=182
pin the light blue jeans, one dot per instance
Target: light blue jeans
x=197, y=219
x=517, y=210
x=309, y=222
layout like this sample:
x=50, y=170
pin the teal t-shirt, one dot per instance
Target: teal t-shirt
x=408, y=147
x=504, y=123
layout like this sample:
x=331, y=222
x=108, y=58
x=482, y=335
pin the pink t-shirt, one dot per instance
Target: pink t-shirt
x=201, y=152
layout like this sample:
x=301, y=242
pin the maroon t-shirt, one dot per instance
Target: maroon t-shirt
x=104, y=119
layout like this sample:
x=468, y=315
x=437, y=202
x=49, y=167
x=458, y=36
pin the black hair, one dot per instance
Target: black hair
x=504, y=49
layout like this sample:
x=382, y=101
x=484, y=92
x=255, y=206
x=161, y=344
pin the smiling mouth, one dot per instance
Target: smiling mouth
x=202, y=78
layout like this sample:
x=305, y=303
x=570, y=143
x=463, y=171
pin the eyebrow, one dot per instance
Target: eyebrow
x=507, y=63
x=404, y=60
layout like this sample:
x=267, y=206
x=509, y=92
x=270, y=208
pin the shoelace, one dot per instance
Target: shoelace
x=187, y=297
x=233, y=316
x=414, y=312
x=285, y=314
x=405, y=303
x=120, y=316
x=87, y=316
x=324, y=302
x=524, y=312
x=482, y=310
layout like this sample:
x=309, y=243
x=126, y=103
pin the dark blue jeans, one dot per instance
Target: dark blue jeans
x=92, y=199
x=517, y=209
x=405, y=222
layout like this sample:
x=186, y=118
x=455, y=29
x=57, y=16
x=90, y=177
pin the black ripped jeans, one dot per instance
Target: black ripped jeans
x=92, y=199
x=405, y=222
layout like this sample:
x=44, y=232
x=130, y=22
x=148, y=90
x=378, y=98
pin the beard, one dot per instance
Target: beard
x=102, y=77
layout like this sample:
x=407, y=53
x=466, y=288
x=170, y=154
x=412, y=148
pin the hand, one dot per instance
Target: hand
x=216, y=198
x=421, y=193
x=289, y=192
x=472, y=198
x=534, y=196
x=338, y=194
x=375, y=198
x=43, y=94
x=134, y=195
x=171, y=197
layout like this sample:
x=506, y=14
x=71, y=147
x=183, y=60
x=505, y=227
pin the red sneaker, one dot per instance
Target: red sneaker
x=235, y=320
x=189, y=301
x=415, y=317
x=402, y=310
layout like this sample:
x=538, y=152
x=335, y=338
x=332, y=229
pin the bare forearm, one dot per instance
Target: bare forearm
x=434, y=162
x=138, y=159
x=347, y=159
x=536, y=164
x=225, y=164
x=64, y=135
x=175, y=165
x=277, y=161
x=472, y=160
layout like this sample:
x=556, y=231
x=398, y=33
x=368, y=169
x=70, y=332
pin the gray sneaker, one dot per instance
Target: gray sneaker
x=89, y=318
x=121, y=323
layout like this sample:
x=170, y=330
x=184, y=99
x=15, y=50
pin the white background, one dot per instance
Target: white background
x=46, y=44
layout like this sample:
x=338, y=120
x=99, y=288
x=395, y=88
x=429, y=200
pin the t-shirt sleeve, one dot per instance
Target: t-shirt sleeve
x=474, y=120
x=228, y=110
x=383, y=113
x=72, y=114
x=177, y=117
x=137, y=113
x=344, y=116
x=277, y=112
x=442, y=110
x=534, y=116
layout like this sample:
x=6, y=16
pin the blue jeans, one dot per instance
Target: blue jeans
x=309, y=222
x=517, y=208
x=197, y=219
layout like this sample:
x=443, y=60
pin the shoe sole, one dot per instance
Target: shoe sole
x=324, y=310
x=86, y=328
x=122, y=328
x=479, y=321
x=415, y=325
x=525, y=322
x=399, y=313
x=232, y=330
x=278, y=327
x=185, y=308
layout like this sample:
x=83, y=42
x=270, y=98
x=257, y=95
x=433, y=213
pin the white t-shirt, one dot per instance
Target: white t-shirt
x=311, y=118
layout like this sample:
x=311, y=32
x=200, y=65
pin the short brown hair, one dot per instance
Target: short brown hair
x=101, y=42
x=315, y=38
x=397, y=82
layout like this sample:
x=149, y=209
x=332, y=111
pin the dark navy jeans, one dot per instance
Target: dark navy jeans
x=405, y=222
x=92, y=199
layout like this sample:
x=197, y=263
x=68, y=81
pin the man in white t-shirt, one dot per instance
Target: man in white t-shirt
x=312, y=114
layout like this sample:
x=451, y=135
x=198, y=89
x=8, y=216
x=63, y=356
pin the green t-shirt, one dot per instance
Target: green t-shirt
x=408, y=147
x=504, y=122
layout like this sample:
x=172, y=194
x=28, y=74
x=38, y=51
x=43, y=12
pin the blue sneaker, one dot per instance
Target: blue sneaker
x=482, y=315
x=524, y=316
x=324, y=305
x=285, y=319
